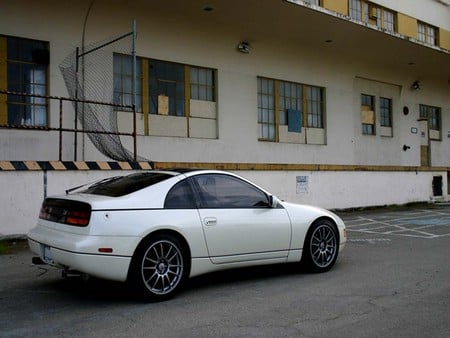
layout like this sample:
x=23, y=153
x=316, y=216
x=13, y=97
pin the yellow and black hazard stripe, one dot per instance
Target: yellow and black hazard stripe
x=73, y=165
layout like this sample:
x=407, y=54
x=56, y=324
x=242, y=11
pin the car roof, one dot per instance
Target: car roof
x=182, y=170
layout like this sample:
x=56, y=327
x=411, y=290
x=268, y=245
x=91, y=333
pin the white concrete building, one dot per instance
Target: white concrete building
x=341, y=103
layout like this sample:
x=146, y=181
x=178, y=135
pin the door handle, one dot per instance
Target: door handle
x=209, y=221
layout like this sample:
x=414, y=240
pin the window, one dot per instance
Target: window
x=266, y=109
x=314, y=2
x=371, y=13
x=385, y=112
x=166, y=87
x=290, y=97
x=356, y=10
x=304, y=103
x=202, y=84
x=165, y=82
x=433, y=115
x=123, y=185
x=123, y=81
x=368, y=114
x=26, y=66
x=386, y=19
x=180, y=197
x=427, y=33
x=223, y=191
x=314, y=103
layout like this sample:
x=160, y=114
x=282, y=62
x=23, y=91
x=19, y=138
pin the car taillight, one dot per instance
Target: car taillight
x=43, y=214
x=80, y=218
x=65, y=211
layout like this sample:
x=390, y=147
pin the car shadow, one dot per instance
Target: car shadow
x=245, y=275
x=79, y=289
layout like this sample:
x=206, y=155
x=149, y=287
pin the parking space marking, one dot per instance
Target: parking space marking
x=427, y=224
x=369, y=240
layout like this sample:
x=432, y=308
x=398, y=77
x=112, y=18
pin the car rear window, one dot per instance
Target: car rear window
x=124, y=185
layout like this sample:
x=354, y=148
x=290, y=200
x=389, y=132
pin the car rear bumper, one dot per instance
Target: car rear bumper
x=102, y=266
x=83, y=252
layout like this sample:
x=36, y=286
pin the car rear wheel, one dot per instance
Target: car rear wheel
x=321, y=246
x=159, y=267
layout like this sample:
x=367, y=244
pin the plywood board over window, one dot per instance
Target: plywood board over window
x=163, y=105
x=367, y=115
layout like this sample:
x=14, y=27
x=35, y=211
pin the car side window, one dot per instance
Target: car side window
x=223, y=191
x=180, y=196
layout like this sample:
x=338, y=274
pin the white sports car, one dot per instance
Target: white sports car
x=155, y=229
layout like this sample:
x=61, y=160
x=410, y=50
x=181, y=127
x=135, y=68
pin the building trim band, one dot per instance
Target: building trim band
x=111, y=165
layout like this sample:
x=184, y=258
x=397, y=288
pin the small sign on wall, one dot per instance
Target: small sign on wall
x=302, y=184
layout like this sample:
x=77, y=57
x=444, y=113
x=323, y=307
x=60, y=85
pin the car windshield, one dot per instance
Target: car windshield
x=124, y=185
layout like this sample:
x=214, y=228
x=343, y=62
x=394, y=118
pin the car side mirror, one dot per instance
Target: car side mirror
x=273, y=201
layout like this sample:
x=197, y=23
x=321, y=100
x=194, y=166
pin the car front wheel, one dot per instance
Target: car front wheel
x=158, y=268
x=321, y=246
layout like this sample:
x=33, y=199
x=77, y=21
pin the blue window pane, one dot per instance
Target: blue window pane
x=13, y=49
x=180, y=108
x=294, y=121
x=194, y=75
x=39, y=116
x=202, y=93
x=210, y=95
x=210, y=78
x=153, y=104
x=14, y=114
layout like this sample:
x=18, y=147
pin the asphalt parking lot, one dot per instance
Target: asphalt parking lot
x=392, y=280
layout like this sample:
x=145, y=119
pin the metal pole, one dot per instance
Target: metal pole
x=75, y=138
x=134, y=87
x=134, y=135
x=60, y=128
x=83, y=37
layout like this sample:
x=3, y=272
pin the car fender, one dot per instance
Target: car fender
x=302, y=217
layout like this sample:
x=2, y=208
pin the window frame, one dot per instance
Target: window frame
x=206, y=85
x=385, y=112
x=312, y=116
x=204, y=204
x=125, y=78
x=185, y=184
x=423, y=33
x=315, y=2
x=368, y=128
x=361, y=10
x=433, y=115
x=145, y=85
x=29, y=56
x=267, y=115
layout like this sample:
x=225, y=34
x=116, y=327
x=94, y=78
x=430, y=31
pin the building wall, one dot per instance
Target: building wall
x=237, y=95
x=327, y=189
x=363, y=176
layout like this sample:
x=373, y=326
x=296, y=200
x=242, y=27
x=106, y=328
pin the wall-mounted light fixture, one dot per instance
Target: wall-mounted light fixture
x=405, y=147
x=244, y=47
x=415, y=85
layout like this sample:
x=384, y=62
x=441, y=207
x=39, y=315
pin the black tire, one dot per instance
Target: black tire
x=321, y=246
x=159, y=268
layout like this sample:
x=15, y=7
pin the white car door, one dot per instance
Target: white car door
x=238, y=223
